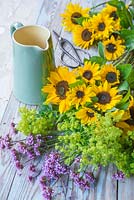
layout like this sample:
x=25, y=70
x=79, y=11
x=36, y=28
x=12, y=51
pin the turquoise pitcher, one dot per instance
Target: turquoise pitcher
x=33, y=58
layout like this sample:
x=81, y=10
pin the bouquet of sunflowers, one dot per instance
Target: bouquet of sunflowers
x=110, y=26
x=87, y=118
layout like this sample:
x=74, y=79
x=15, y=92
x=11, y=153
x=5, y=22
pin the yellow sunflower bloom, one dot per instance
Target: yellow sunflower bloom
x=131, y=110
x=58, y=87
x=90, y=72
x=107, y=97
x=86, y=115
x=126, y=123
x=83, y=36
x=71, y=12
x=117, y=115
x=131, y=104
x=80, y=95
x=113, y=48
x=111, y=12
x=102, y=26
x=110, y=74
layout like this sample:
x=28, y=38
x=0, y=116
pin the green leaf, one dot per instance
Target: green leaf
x=86, y=60
x=132, y=3
x=94, y=99
x=122, y=106
x=131, y=10
x=130, y=79
x=77, y=83
x=123, y=13
x=128, y=36
x=97, y=59
x=101, y=50
x=126, y=97
x=125, y=70
x=123, y=86
x=113, y=2
x=80, y=20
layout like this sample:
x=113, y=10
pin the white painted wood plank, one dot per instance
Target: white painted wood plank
x=126, y=189
x=18, y=188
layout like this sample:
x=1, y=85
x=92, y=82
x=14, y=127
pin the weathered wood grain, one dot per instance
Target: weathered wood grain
x=13, y=187
x=126, y=189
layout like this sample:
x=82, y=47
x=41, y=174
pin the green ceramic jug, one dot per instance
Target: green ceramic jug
x=33, y=58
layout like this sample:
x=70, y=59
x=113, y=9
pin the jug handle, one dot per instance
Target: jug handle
x=15, y=26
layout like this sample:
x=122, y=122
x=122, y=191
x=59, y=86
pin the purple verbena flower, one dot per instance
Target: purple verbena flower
x=36, y=149
x=30, y=154
x=47, y=191
x=30, y=178
x=90, y=177
x=80, y=181
x=5, y=142
x=30, y=140
x=32, y=168
x=39, y=139
x=2, y=145
x=16, y=159
x=13, y=130
x=52, y=167
x=22, y=148
x=118, y=176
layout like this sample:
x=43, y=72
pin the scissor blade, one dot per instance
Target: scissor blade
x=56, y=35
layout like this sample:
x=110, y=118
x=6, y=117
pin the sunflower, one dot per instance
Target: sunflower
x=107, y=97
x=90, y=72
x=58, y=87
x=113, y=48
x=80, y=95
x=110, y=73
x=124, y=123
x=131, y=111
x=127, y=120
x=102, y=26
x=86, y=115
x=83, y=36
x=73, y=11
x=111, y=12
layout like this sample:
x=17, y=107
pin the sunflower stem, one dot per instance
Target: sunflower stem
x=122, y=59
x=101, y=4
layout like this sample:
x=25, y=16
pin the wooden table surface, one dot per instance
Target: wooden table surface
x=13, y=187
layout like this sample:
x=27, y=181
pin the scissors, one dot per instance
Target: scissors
x=63, y=42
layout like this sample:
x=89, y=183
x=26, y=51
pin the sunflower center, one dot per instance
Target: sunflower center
x=131, y=109
x=90, y=114
x=80, y=94
x=111, y=48
x=86, y=35
x=75, y=15
x=114, y=15
x=104, y=97
x=61, y=89
x=101, y=26
x=87, y=74
x=111, y=77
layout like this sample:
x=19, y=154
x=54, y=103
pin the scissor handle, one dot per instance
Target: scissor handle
x=62, y=42
x=65, y=64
